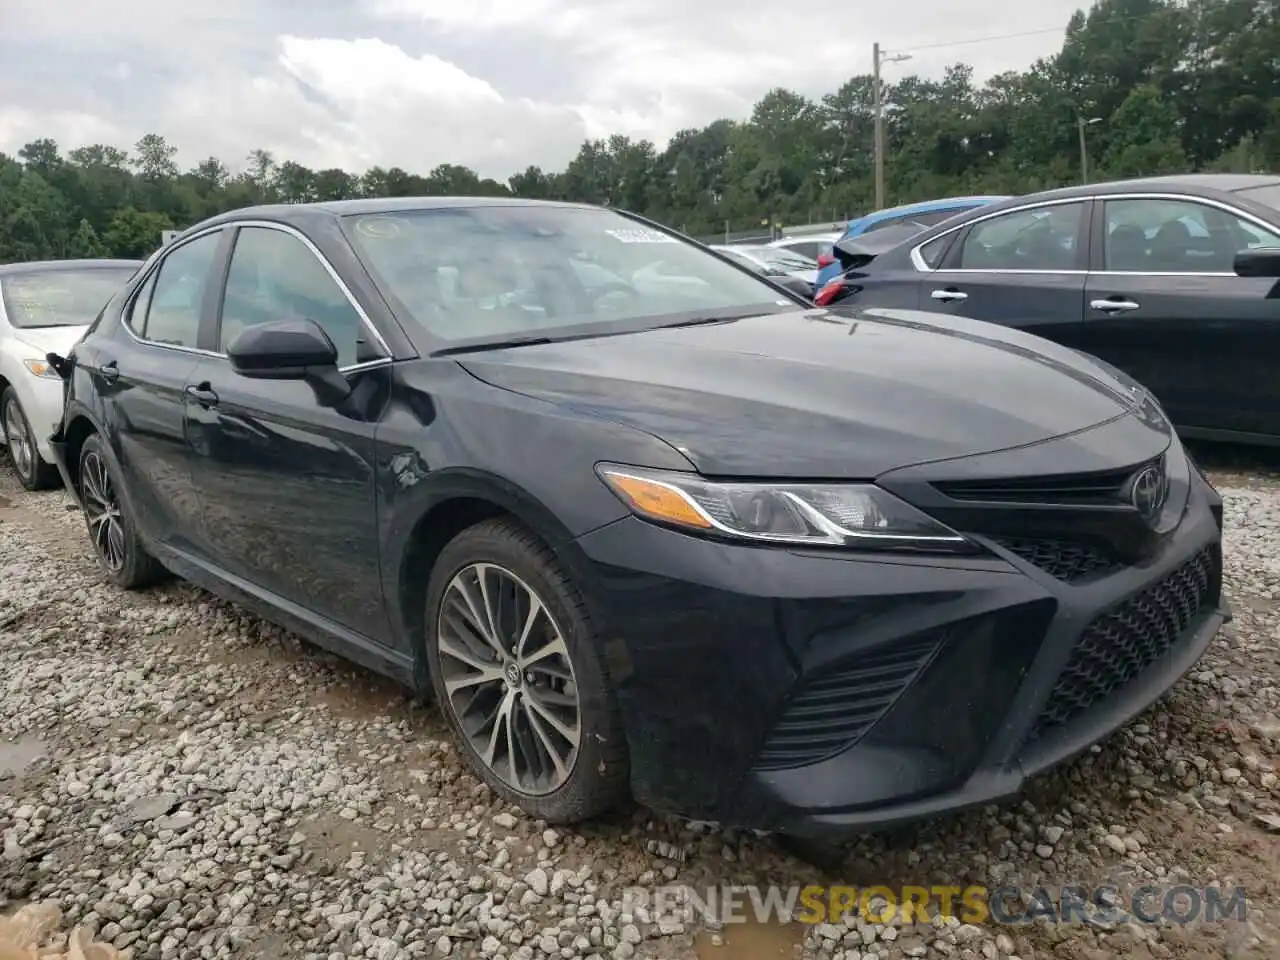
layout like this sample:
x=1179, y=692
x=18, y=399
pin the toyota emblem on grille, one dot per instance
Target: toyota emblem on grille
x=1148, y=490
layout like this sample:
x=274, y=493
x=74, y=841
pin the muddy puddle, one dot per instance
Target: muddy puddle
x=17, y=756
x=751, y=940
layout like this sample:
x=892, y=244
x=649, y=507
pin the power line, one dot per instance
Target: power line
x=1108, y=21
x=972, y=40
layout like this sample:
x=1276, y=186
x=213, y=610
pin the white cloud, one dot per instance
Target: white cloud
x=494, y=84
x=68, y=127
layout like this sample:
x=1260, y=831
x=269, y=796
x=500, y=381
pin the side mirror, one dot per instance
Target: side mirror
x=1259, y=262
x=282, y=350
x=291, y=350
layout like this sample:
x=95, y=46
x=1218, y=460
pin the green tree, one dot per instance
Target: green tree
x=136, y=233
x=1177, y=85
x=84, y=243
x=1144, y=138
x=153, y=158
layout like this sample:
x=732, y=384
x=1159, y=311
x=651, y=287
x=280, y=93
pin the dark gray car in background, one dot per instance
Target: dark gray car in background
x=1171, y=279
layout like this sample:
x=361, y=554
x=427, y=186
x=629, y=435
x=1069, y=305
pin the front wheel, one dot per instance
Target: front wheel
x=111, y=529
x=33, y=473
x=514, y=666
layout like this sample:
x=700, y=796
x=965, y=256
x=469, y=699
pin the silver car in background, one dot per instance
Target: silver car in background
x=775, y=263
x=45, y=307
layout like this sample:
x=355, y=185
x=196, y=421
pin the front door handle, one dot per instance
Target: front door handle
x=202, y=394
x=1118, y=305
x=946, y=296
x=109, y=371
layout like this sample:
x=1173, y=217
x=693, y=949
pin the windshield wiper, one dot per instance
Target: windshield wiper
x=702, y=321
x=491, y=345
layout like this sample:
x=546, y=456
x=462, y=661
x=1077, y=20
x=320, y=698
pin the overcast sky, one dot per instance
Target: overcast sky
x=494, y=84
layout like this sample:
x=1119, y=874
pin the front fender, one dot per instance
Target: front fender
x=448, y=438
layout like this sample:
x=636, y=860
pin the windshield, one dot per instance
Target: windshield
x=60, y=297
x=497, y=272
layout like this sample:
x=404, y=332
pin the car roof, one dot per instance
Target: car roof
x=927, y=206
x=50, y=266
x=1188, y=183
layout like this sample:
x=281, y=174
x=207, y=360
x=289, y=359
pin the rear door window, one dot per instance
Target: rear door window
x=1037, y=238
x=177, y=296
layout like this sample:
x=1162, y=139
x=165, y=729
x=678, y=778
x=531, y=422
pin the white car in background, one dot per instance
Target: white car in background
x=815, y=246
x=45, y=307
x=776, y=260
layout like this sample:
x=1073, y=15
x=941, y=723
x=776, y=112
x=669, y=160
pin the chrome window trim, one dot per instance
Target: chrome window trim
x=163, y=254
x=985, y=270
x=918, y=262
x=1156, y=273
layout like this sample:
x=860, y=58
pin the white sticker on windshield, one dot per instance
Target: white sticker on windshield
x=640, y=235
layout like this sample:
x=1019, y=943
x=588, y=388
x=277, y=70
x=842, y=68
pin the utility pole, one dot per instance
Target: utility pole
x=1081, y=123
x=879, y=131
x=878, y=57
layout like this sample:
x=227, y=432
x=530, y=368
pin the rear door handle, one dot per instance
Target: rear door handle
x=202, y=394
x=1114, y=306
x=109, y=371
x=946, y=296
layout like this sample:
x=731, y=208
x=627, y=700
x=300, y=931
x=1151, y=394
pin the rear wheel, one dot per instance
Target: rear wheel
x=514, y=665
x=111, y=529
x=33, y=472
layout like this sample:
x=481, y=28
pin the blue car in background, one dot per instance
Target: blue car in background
x=925, y=213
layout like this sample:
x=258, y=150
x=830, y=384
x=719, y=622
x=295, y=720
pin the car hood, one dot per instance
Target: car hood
x=821, y=394
x=44, y=340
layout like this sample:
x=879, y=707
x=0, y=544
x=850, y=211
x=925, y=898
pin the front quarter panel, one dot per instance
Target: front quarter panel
x=448, y=437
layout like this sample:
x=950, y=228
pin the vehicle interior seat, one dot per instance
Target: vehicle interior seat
x=1127, y=249
x=1170, y=246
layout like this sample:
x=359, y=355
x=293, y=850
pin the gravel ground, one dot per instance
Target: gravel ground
x=191, y=782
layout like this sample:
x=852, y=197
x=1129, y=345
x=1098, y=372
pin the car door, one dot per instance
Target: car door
x=140, y=379
x=288, y=484
x=1165, y=305
x=1022, y=268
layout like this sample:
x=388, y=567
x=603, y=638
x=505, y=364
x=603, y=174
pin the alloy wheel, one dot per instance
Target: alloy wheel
x=102, y=511
x=509, y=678
x=18, y=438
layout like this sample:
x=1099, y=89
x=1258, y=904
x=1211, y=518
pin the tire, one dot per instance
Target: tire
x=592, y=779
x=20, y=443
x=111, y=529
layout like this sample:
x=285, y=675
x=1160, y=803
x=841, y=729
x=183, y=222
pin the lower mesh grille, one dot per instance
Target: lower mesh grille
x=828, y=713
x=1062, y=559
x=1119, y=645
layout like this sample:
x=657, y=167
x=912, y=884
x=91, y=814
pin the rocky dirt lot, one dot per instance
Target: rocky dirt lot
x=193, y=783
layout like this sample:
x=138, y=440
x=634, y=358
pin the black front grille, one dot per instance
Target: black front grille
x=1100, y=488
x=1063, y=559
x=831, y=712
x=1119, y=645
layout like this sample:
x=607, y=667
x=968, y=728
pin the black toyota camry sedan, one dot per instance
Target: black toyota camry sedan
x=676, y=536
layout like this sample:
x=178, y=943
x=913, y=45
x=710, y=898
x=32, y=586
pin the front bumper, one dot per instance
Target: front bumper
x=42, y=402
x=818, y=694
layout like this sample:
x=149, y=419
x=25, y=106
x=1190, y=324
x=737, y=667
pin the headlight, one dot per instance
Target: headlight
x=41, y=368
x=803, y=514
